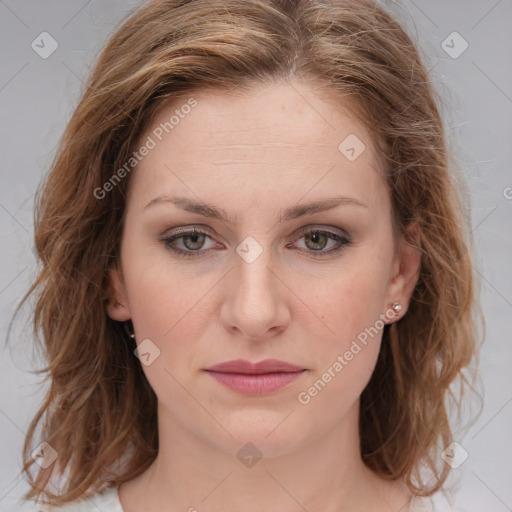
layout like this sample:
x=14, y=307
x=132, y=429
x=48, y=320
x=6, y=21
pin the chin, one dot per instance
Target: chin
x=272, y=433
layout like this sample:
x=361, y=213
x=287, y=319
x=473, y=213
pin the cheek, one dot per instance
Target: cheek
x=161, y=292
x=349, y=307
x=164, y=308
x=345, y=358
x=169, y=306
x=346, y=303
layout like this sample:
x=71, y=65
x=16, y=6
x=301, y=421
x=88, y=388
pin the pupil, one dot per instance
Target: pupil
x=315, y=239
x=194, y=238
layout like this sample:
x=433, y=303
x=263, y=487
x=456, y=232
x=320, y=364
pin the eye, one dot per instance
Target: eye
x=316, y=240
x=192, y=242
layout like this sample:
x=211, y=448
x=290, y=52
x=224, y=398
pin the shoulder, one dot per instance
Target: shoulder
x=106, y=501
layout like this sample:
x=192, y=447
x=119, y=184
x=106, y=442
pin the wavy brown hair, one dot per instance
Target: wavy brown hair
x=99, y=413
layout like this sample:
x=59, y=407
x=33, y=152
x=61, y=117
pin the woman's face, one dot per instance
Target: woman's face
x=259, y=284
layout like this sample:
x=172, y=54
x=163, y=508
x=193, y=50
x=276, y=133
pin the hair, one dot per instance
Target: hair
x=99, y=411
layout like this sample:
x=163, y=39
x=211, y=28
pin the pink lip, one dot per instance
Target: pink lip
x=255, y=378
x=265, y=366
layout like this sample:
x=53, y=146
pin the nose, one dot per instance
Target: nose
x=255, y=306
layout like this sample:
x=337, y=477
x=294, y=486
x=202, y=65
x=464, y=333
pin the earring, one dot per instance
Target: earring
x=130, y=334
x=117, y=302
x=396, y=307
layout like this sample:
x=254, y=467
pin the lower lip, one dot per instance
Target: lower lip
x=256, y=384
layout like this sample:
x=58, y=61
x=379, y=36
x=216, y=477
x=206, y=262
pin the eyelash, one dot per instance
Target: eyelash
x=342, y=242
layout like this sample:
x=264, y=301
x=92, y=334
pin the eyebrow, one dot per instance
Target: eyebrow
x=294, y=212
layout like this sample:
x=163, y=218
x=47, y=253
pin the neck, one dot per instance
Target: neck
x=191, y=474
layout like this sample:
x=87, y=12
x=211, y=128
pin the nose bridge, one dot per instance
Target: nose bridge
x=256, y=304
x=253, y=270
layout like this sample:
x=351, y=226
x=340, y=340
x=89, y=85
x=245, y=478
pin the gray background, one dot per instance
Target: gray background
x=37, y=97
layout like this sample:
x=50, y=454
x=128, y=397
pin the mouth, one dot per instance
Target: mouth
x=259, y=378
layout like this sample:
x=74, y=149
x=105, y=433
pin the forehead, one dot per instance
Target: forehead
x=283, y=134
x=297, y=113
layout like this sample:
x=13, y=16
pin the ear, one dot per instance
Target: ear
x=117, y=307
x=406, y=270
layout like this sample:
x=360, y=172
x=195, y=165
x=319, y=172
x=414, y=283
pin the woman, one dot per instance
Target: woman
x=256, y=285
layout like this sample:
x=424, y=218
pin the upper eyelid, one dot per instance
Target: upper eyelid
x=298, y=233
x=315, y=227
x=209, y=231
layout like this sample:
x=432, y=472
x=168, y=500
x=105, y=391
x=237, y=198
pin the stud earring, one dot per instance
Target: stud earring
x=130, y=334
x=396, y=307
x=117, y=302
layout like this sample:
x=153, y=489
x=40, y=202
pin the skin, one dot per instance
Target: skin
x=253, y=155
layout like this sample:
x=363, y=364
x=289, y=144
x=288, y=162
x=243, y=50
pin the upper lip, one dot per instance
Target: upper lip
x=265, y=366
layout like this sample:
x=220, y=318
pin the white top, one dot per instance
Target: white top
x=108, y=501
